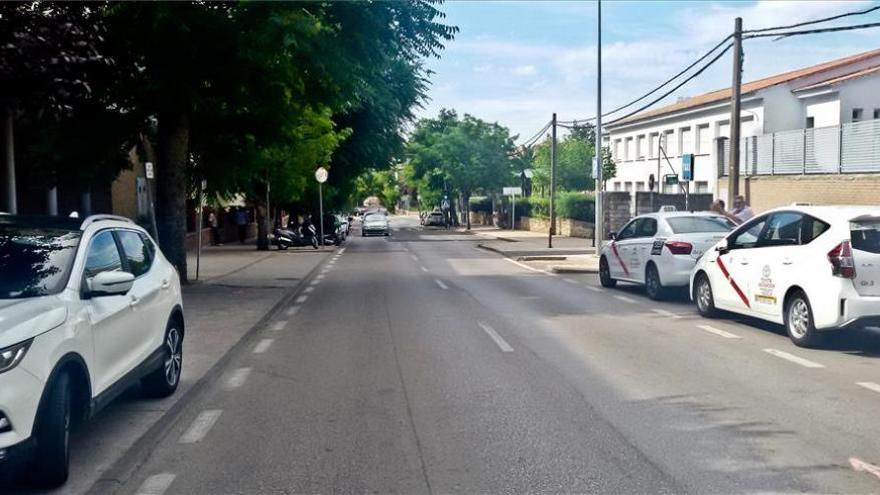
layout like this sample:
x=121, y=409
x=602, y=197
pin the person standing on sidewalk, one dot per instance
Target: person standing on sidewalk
x=214, y=224
x=241, y=221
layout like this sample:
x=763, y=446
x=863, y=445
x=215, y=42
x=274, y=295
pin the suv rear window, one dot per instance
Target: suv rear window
x=690, y=225
x=866, y=235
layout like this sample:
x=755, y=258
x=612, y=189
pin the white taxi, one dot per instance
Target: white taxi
x=660, y=249
x=810, y=268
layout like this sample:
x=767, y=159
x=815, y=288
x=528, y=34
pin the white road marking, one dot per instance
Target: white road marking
x=279, y=325
x=320, y=276
x=341, y=250
x=570, y=280
x=668, y=314
x=263, y=346
x=502, y=344
x=863, y=467
x=527, y=267
x=423, y=268
x=292, y=310
x=625, y=299
x=301, y=299
x=414, y=257
x=716, y=331
x=441, y=284
x=595, y=289
x=806, y=363
x=237, y=378
x=156, y=484
x=314, y=282
x=870, y=386
x=201, y=426
x=308, y=289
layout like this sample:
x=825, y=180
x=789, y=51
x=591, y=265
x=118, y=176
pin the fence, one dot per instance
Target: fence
x=848, y=148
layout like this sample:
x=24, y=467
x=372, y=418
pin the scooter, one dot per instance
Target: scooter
x=286, y=238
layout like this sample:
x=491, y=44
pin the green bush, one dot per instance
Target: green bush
x=480, y=204
x=538, y=207
x=576, y=205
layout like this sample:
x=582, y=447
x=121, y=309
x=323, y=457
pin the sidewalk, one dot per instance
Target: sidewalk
x=568, y=254
x=239, y=288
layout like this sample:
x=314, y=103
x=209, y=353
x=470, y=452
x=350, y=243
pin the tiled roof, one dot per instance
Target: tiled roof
x=840, y=79
x=724, y=94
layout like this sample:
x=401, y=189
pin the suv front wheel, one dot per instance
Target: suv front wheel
x=164, y=380
x=52, y=454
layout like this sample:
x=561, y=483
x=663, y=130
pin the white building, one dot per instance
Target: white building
x=822, y=96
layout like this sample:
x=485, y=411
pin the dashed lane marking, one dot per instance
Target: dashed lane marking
x=625, y=299
x=668, y=314
x=341, y=250
x=870, y=386
x=499, y=341
x=570, y=280
x=279, y=325
x=594, y=288
x=263, y=346
x=806, y=363
x=314, y=282
x=414, y=257
x=861, y=466
x=308, y=289
x=301, y=299
x=320, y=276
x=292, y=310
x=719, y=332
x=156, y=484
x=423, y=268
x=441, y=284
x=201, y=426
x=237, y=378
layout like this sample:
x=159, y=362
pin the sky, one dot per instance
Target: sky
x=516, y=63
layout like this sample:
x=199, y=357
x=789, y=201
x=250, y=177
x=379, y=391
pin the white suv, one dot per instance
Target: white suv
x=87, y=308
x=809, y=268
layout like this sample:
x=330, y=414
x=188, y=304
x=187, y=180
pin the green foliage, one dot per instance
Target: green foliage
x=576, y=206
x=538, y=207
x=480, y=204
x=574, y=158
x=609, y=167
x=379, y=183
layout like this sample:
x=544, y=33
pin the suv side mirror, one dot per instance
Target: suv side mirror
x=722, y=246
x=109, y=284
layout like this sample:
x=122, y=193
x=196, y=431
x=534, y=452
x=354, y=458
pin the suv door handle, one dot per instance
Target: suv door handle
x=134, y=302
x=743, y=262
x=165, y=284
x=787, y=261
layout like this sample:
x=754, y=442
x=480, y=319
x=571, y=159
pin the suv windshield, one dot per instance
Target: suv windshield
x=35, y=261
x=690, y=225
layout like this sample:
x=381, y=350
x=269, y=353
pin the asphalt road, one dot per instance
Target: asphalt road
x=422, y=364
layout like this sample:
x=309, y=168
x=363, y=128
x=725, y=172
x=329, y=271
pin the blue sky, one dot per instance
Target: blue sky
x=517, y=62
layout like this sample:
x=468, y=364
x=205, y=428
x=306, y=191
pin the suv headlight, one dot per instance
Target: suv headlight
x=12, y=355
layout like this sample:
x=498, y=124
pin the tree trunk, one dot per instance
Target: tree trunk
x=171, y=187
x=262, y=228
x=467, y=209
x=9, y=204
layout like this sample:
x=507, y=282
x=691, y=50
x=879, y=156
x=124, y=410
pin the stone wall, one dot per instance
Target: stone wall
x=616, y=210
x=770, y=191
x=564, y=226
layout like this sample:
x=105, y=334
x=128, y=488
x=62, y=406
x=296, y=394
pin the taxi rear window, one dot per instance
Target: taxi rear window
x=691, y=225
x=866, y=235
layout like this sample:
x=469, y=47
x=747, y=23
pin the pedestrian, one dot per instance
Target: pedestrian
x=740, y=213
x=214, y=224
x=241, y=221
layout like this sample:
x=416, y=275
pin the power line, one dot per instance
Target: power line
x=537, y=135
x=786, y=34
x=692, y=76
x=658, y=88
x=817, y=21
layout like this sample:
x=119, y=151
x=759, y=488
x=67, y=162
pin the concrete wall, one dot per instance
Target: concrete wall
x=767, y=191
x=564, y=226
x=860, y=93
x=616, y=210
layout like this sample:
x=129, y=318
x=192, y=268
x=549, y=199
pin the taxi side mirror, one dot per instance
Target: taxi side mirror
x=722, y=246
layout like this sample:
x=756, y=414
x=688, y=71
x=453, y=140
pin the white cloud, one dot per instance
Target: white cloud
x=524, y=70
x=479, y=69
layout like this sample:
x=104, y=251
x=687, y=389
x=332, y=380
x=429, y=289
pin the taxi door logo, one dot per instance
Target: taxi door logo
x=766, y=286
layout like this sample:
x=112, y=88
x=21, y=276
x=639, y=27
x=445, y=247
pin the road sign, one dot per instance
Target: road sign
x=148, y=170
x=670, y=179
x=321, y=175
x=687, y=167
x=513, y=191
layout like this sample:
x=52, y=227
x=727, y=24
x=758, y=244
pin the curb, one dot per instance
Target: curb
x=120, y=471
x=573, y=269
x=542, y=258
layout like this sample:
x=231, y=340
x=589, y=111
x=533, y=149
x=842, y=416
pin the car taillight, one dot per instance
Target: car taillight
x=842, y=262
x=678, y=247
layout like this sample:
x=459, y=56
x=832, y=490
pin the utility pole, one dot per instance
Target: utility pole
x=599, y=223
x=552, y=229
x=735, y=96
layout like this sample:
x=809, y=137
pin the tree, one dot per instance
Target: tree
x=468, y=154
x=574, y=158
x=609, y=167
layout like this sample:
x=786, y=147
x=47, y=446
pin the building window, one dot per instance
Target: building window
x=628, y=151
x=685, y=140
x=616, y=151
x=856, y=114
x=811, y=122
x=640, y=147
x=640, y=186
x=617, y=186
x=628, y=187
x=877, y=113
x=701, y=187
x=704, y=140
x=652, y=145
x=667, y=142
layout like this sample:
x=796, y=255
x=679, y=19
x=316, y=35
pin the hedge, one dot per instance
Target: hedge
x=576, y=205
x=480, y=204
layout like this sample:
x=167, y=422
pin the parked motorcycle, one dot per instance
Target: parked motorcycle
x=286, y=238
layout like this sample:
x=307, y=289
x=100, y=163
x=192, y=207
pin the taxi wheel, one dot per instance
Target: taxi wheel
x=653, y=286
x=799, y=321
x=605, y=274
x=703, y=296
